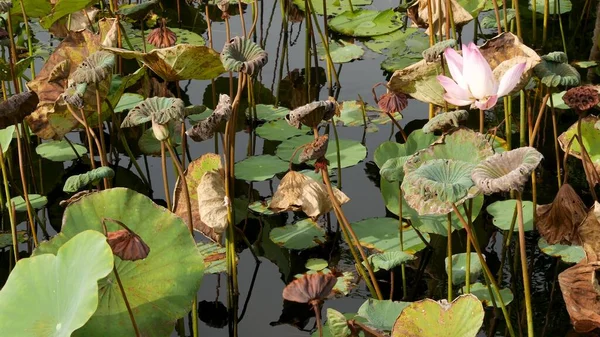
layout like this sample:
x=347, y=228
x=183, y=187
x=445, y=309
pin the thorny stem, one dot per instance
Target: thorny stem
x=30, y=210
x=523, y=254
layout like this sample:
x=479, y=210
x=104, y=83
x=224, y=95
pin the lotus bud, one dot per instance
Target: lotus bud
x=127, y=245
x=161, y=131
x=581, y=98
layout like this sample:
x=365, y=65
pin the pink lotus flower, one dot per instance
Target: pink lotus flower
x=472, y=79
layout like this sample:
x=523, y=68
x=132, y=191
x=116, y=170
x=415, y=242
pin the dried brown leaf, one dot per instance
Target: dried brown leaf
x=419, y=14
x=127, y=245
x=310, y=287
x=589, y=230
x=212, y=201
x=558, y=221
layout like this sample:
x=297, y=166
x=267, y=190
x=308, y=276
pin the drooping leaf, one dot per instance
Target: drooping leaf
x=590, y=137
x=259, y=168
x=57, y=303
x=382, y=235
x=301, y=235
x=60, y=150
x=503, y=212
x=128, y=101
x=351, y=151
x=559, y=221
x=37, y=202
x=243, y=55
x=459, y=267
x=366, y=22
x=337, y=323
x=167, y=277
x=420, y=11
x=77, y=182
x=212, y=201
x=381, y=314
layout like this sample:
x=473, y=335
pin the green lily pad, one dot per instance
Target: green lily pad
x=6, y=238
x=381, y=314
x=79, y=181
x=459, y=267
x=366, y=22
x=389, y=260
x=590, y=137
x=351, y=151
x=503, y=211
x=393, y=169
x=6, y=137
x=568, y=254
x=340, y=51
x=337, y=323
x=382, y=235
x=328, y=333
x=167, y=277
x=300, y=235
x=428, y=318
x=334, y=7
x=405, y=49
x=351, y=114
x=261, y=207
x=565, y=6
x=259, y=168
x=180, y=62
x=417, y=140
x=37, y=202
x=269, y=112
x=59, y=150
x=128, y=101
x=316, y=264
x=214, y=257
x=279, y=130
x=57, y=303
x=483, y=294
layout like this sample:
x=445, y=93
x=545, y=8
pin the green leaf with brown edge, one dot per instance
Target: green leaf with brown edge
x=180, y=62
x=193, y=175
x=214, y=257
x=381, y=314
x=167, y=278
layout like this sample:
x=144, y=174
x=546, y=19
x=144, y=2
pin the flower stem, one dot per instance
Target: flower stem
x=163, y=162
x=13, y=221
x=30, y=210
x=523, y=253
x=449, y=253
x=401, y=232
x=131, y=317
x=318, y=318
x=102, y=148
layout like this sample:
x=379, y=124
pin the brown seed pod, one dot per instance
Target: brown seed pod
x=581, y=98
x=127, y=245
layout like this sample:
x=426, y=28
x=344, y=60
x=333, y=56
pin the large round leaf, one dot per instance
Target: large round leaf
x=382, y=235
x=366, y=22
x=503, y=212
x=300, y=235
x=459, y=267
x=417, y=140
x=351, y=151
x=52, y=296
x=334, y=7
x=259, y=168
x=279, y=130
x=268, y=112
x=160, y=288
x=60, y=150
x=428, y=318
x=381, y=314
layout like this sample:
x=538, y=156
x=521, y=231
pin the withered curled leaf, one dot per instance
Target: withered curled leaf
x=589, y=230
x=558, y=222
x=311, y=114
x=310, y=287
x=212, y=204
x=17, y=107
x=206, y=128
x=315, y=149
x=127, y=245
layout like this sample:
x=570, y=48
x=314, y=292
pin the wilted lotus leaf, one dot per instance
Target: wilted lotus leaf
x=127, y=245
x=137, y=11
x=437, y=185
x=193, y=176
x=393, y=169
x=315, y=149
x=558, y=222
x=14, y=110
x=506, y=171
x=589, y=229
x=206, y=128
x=94, y=69
x=432, y=53
x=77, y=21
x=212, y=201
x=311, y=114
x=5, y=6
x=178, y=63
x=314, y=287
x=428, y=318
x=554, y=71
x=243, y=55
x=419, y=14
x=460, y=144
x=391, y=102
x=581, y=98
x=76, y=182
x=590, y=137
x=445, y=121
x=419, y=81
x=579, y=286
x=60, y=71
x=74, y=95
x=297, y=191
x=159, y=109
x=162, y=37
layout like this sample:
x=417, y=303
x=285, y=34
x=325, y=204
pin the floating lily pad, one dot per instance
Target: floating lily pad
x=79, y=181
x=503, y=211
x=568, y=254
x=417, y=140
x=6, y=238
x=351, y=151
x=269, y=112
x=381, y=314
x=316, y=264
x=59, y=150
x=167, y=276
x=261, y=207
x=351, y=114
x=57, y=302
x=300, y=235
x=382, y=235
x=428, y=318
x=37, y=202
x=334, y=7
x=564, y=7
x=366, y=22
x=128, y=101
x=214, y=256
x=340, y=51
x=259, y=168
x=279, y=130
x=405, y=49
x=483, y=294
x=389, y=260
x=459, y=267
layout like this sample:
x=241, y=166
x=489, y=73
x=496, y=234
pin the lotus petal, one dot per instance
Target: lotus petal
x=161, y=109
x=310, y=287
x=506, y=171
x=311, y=114
x=437, y=185
x=445, y=121
x=14, y=110
x=243, y=55
x=558, y=221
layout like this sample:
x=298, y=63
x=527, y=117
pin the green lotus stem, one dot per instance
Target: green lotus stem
x=518, y=18
x=401, y=232
x=560, y=26
x=523, y=254
x=451, y=18
x=12, y=54
x=507, y=239
x=556, y=147
x=242, y=21
x=325, y=41
x=449, y=253
x=337, y=154
x=11, y=206
x=468, y=269
x=163, y=161
x=534, y=20
x=497, y=13
x=486, y=269
x=545, y=24
x=30, y=210
x=325, y=44
x=307, y=28
x=351, y=7
x=522, y=120
x=284, y=54
x=508, y=121
x=102, y=148
x=129, y=311
x=29, y=42
x=83, y=121
x=346, y=226
x=431, y=32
